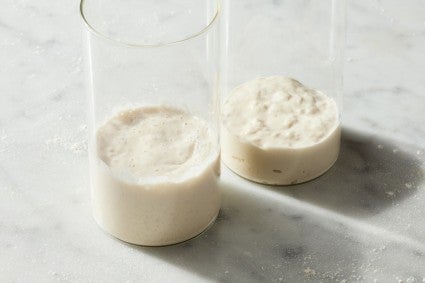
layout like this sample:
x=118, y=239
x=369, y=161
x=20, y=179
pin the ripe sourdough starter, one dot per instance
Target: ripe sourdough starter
x=155, y=182
x=277, y=131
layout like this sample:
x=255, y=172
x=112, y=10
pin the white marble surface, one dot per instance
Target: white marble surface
x=362, y=221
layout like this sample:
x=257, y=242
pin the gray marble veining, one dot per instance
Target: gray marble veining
x=361, y=221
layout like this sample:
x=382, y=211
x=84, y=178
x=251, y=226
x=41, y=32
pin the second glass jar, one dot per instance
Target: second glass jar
x=282, y=88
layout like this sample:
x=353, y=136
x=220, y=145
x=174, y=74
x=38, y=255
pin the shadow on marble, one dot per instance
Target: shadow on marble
x=259, y=239
x=370, y=175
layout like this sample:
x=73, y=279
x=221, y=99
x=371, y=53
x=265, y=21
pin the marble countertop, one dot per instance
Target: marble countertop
x=364, y=220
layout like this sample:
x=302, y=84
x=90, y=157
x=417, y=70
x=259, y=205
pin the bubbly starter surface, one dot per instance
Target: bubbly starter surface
x=277, y=131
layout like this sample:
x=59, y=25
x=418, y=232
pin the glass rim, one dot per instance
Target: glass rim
x=93, y=30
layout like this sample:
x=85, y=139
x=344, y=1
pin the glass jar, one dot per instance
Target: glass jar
x=274, y=51
x=153, y=145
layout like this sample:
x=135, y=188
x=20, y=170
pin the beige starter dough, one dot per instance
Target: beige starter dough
x=155, y=181
x=277, y=131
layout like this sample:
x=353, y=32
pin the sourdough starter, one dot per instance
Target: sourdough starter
x=155, y=181
x=277, y=131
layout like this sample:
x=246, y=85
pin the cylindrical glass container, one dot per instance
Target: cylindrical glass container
x=282, y=88
x=153, y=145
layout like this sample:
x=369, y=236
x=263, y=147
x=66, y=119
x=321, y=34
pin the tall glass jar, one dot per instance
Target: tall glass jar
x=274, y=51
x=153, y=145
